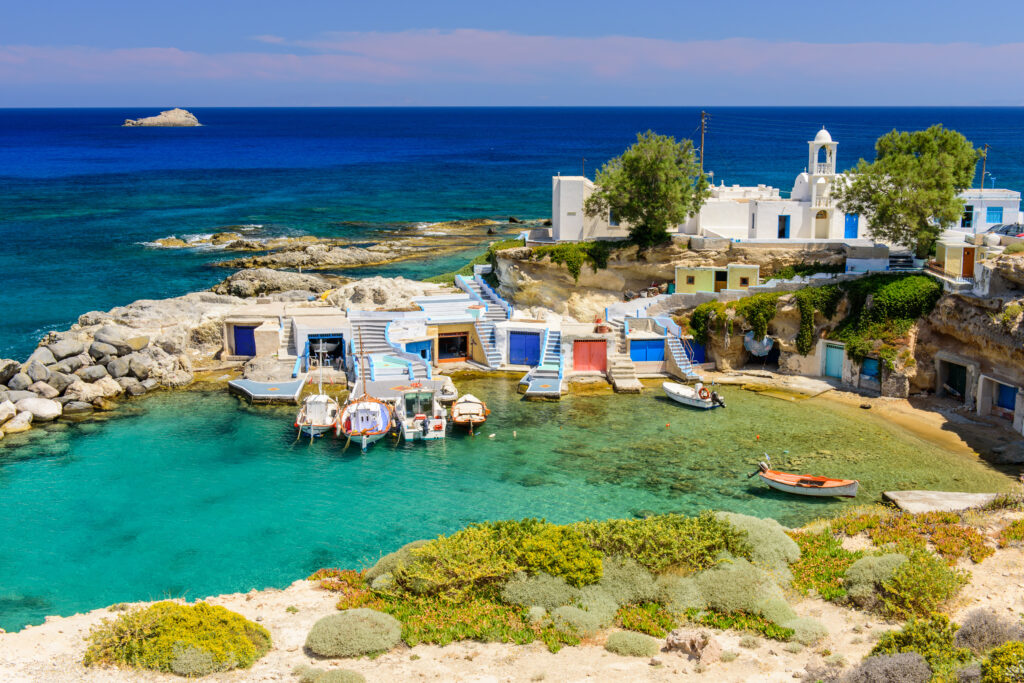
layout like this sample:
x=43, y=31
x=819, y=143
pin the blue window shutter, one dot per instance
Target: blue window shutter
x=994, y=214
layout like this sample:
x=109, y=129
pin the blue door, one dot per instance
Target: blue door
x=870, y=367
x=851, y=226
x=697, y=353
x=646, y=350
x=834, y=361
x=245, y=340
x=1007, y=396
x=524, y=348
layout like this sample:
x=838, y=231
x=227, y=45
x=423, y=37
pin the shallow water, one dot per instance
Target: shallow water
x=193, y=494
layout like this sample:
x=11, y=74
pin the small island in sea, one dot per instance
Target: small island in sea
x=171, y=118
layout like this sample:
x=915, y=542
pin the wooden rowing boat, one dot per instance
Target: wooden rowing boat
x=470, y=411
x=808, y=484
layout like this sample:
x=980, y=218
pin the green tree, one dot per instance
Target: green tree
x=908, y=194
x=655, y=184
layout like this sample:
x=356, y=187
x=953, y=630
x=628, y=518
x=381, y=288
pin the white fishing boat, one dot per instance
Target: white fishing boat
x=808, y=484
x=470, y=411
x=419, y=413
x=319, y=412
x=448, y=393
x=697, y=396
x=365, y=420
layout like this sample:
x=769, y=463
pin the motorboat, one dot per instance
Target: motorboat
x=419, y=413
x=697, y=396
x=470, y=411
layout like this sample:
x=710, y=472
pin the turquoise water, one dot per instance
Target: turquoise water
x=192, y=494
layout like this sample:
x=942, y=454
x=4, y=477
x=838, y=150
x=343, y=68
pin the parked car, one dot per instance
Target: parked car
x=1011, y=229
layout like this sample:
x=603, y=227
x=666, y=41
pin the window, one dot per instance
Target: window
x=613, y=220
x=744, y=282
x=994, y=214
x=690, y=280
x=968, y=218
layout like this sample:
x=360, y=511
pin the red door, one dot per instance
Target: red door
x=590, y=355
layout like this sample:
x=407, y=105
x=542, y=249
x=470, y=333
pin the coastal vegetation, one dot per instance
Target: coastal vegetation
x=655, y=184
x=574, y=254
x=909, y=193
x=483, y=259
x=188, y=640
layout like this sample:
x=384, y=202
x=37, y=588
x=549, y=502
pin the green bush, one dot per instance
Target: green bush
x=475, y=557
x=705, y=318
x=650, y=618
x=758, y=310
x=561, y=551
x=921, y=585
x=627, y=582
x=1005, y=664
x=806, y=631
x=1015, y=248
x=631, y=644
x=770, y=546
x=578, y=621
x=932, y=638
x=168, y=635
x=666, y=541
x=542, y=590
x=574, y=254
x=823, y=564
x=865, y=577
x=392, y=561
x=598, y=602
x=903, y=667
x=774, y=608
x=309, y=674
x=679, y=593
x=734, y=586
x=983, y=630
x=537, y=615
x=353, y=633
x=740, y=621
x=824, y=299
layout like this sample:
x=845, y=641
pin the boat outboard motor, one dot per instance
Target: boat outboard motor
x=426, y=426
x=715, y=398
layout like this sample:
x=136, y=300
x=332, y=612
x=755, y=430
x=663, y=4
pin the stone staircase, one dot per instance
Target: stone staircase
x=901, y=260
x=287, y=350
x=621, y=370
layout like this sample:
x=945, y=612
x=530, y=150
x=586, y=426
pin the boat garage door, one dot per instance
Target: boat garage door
x=834, y=354
x=524, y=348
x=590, y=355
x=645, y=350
x=1006, y=397
x=245, y=340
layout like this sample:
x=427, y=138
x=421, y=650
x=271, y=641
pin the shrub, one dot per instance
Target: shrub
x=750, y=642
x=631, y=644
x=306, y=673
x=983, y=630
x=666, y=541
x=822, y=565
x=806, y=631
x=1005, y=664
x=969, y=674
x=733, y=586
x=920, y=585
x=774, y=608
x=704, y=319
x=536, y=615
x=770, y=547
x=1013, y=533
x=340, y=676
x=598, y=602
x=903, y=667
x=729, y=656
x=574, y=255
x=166, y=634
x=740, y=621
x=561, y=551
x=474, y=557
x=627, y=582
x=1015, y=248
x=392, y=561
x=543, y=590
x=353, y=633
x=679, y=593
x=577, y=621
x=650, y=618
x=758, y=310
x=932, y=638
x=191, y=662
x=865, y=577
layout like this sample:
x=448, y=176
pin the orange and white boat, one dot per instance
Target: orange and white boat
x=470, y=411
x=807, y=484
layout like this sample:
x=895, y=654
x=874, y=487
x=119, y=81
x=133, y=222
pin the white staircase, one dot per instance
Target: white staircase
x=495, y=305
x=553, y=352
x=383, y=361
x=621, y=370
x=682, y=358
x=287, y=350
x=485, y=330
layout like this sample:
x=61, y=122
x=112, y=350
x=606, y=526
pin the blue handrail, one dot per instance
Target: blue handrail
x=490, y=290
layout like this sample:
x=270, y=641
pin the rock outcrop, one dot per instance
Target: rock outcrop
x=321, y=256
x=171, y=118
x=260, y=281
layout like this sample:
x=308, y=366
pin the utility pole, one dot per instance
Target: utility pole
x=584, y=163
x=984, y=161
x=703, y=128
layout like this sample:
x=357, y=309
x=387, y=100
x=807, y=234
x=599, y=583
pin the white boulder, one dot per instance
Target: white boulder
x=42, y=409
x=22, y=422
x=7, y=411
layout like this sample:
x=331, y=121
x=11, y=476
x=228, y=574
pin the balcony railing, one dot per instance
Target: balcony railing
x=824, y=169
x=823, y=202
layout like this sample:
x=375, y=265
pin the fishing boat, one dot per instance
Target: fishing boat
x=419, y=413
x=365, y=418
x=471, y=411
x=806, y=484
x=697, y=396
x=447, y=393
x=319, y=412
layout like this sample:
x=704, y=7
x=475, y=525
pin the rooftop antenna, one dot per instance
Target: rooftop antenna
x=704, y=116
x=584, y=164
x=984, y=161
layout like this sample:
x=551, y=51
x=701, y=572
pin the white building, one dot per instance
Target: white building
x=760, y=213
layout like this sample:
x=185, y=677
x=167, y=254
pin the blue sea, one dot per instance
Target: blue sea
x=192, y=494
x=79, y=193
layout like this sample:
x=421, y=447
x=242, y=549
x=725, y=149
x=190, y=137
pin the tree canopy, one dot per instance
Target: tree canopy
x=654, y=184
x=908, y=194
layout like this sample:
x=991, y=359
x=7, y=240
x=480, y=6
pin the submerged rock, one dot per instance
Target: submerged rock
x=75, y=408
x=171, y=118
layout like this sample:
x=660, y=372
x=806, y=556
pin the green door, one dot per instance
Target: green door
x=834, y=355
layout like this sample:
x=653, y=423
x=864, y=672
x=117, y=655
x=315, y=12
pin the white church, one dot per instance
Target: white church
x=761, y=214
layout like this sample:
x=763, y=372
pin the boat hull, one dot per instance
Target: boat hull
x=681, y=393
x=846, y=490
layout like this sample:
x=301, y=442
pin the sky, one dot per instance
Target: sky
x=472, y=53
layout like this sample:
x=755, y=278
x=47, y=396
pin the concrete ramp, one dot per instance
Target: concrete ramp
x=267, y=392
x=937, y=501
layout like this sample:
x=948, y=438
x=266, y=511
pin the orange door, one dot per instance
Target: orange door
x=590, y=355
x=968, y=263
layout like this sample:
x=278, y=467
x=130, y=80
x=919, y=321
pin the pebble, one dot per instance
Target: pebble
x=655, y=661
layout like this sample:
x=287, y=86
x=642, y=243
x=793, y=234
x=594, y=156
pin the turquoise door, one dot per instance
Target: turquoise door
x=834, y=361
x=783, y=227
x=851, y=226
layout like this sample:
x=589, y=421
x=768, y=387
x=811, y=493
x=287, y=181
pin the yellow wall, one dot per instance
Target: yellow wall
x=703, y=280
x=940, y=253
x=954, y=259
x=737, y=272
x=476, y=350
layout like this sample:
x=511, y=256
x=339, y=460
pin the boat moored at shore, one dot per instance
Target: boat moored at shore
x=697, y=396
